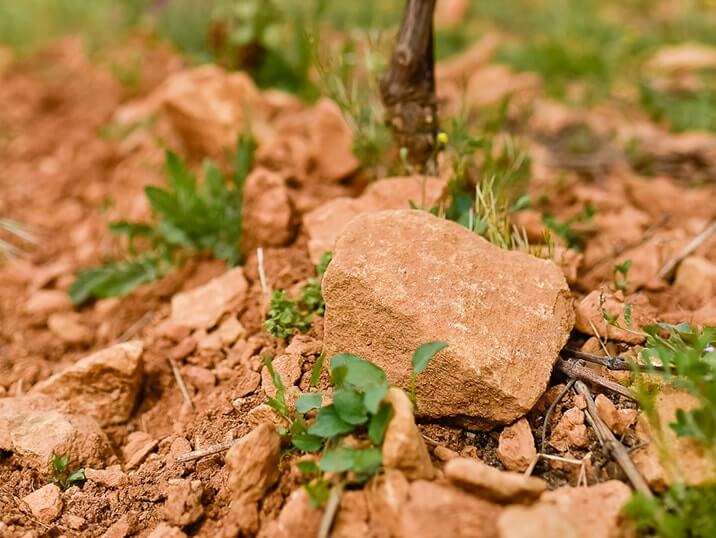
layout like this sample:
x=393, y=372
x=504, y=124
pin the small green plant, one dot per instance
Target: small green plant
x=620, y=275
x=285, y=316
x=348, y=432
x=683, y=111
x=421, y=359
x=569, y=229
x=684, y=357
x=61, y=474
x=191, y=218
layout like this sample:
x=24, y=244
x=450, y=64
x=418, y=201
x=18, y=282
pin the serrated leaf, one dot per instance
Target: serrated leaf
x=379, y=423
x=243, y=160
x=329, y=424
x=308, y=401
x=424, y=354
x=179, y=177
x=628, y=314
x=113, y=280
x=349, y=406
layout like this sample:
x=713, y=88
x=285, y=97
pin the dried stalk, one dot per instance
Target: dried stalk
x=551, y=409
x=334, y=501
x=180, y=383
x=668, y=268
x=582, y=373
x=209, y=451
x=612, y=363
x=610, y=443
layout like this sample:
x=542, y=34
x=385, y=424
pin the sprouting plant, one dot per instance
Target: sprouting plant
x=285, y=316
x=566, y=230
x=190, y=218
x=357, y=411
x=684, y=357
x=419, y=363
x=61, y=474
x=620, y=275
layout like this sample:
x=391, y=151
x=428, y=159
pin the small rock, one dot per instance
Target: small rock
x=297, y=517
x=163, y=530
x=202, y=307
x=45, y=503
x=199, y=377
x=264, y=414
x=253, y=464
x=304, y=345
x=352, y=516
x=68, y=328
x=247, y=382
x=589, y=312
x=179, y=447
x=288, y=367
x=185, y=348
x=34, y=430
x=607, y=411
x=436, y=511
x=183, y=505
x=593, y=512
x=403, y=446
x=386, y=496
x=697, y=275
x=537, y=521
x=625, y=419
x=111, y=477
x=118, y=529
x=332, y=141
x=443, y=453
x=325, y=223
x=488, y=374
x=268, y=210
x=103, y=385
x=172, y=331
x=139, y=445
x=516, y=448
x=44, y=302
x=493, y=484
x=230, y=330
x=580, y=402
x=210, y=342
x=74, y=522
x=570, y=431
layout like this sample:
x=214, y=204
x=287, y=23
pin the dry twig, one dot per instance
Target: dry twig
x=668, y=268
x=135, y=327
x=180, y=382
x=334, y=501
x=610, y=442
x=576, y=371
x=209, y=451
x=612, y=363
x=551, y=409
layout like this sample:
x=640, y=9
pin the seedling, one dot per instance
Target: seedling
x=421, y=358
x=620, y=274
x=357, y=410
x=566, y=230
x=61, y=474
x=190, y=218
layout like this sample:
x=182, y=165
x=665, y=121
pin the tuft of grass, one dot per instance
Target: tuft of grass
x=348, y=432
x=191, y=218
x=684, y=110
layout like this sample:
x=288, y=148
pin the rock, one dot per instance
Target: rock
x=386, y=495
x=352, y=517
x=179, y=447
x=625, y=419
x=34, y=430
x=594, y=512
x=103, y=385
x=288, y=368
x=436, y=511
x=230, y=330
x=263, y=414
x=607, y=411
x=207, y=342
x=403, y=446
x=183, y=505
x=684, y=57
x=304, y=345
x=111, y=477
x=570, y=431
x=45, y=503
x=697, y=275
x=172, y=331
x=166, y=531
x=202, y=307
x=139, y=445
x=67, y=327
x=493, y=484
x=325, y=223
x=297, y=517
x=443, y=453
x=185, y=348
x=460, y=289
x=268, y=210
x=516, y=448
x=253, y=464
x=44, y=302
x=73, y=521
x=450, y=13
x=537, y=521
x=693, y=465
x=247, y=382
x=118, y=529
x=332, y=141
x=199, y=377
x=589, y=312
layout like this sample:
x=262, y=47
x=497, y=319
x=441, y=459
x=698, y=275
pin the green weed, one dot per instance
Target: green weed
x=61, y=474
x=191, y=218
x=683, y=111
x=620, y=275
x=569, y=230
x=357, y=411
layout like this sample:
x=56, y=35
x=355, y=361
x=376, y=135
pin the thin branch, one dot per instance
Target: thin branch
x=582, y=373
x=180, y=382
x=334, y=501
x=551, y=409
x=610, y=443
x=135, y=327
x=262, y=274
x=209, y=451
x=668, y=268
x=612, y=363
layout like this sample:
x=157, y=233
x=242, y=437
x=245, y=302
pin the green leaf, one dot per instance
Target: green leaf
x=326, y=258
x=308, y=467
x=342, y=459
x=308, y=401
x=318, y=490
x=628, y=314
x=180, y=178
x=163, y=203
x=316, y=371
x=131, y=229
x=243, y=160
x=349, y=406
x=338, y=375
x=424, y=353
x=77, y=476
x=59, y=463
x=373, y=395
x=360, y=373
x=328, y=424
x=379, y=423
x=307, y=442
x=113, y=280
